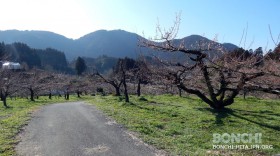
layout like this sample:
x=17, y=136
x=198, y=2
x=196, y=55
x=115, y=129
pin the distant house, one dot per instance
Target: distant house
x=11, y=65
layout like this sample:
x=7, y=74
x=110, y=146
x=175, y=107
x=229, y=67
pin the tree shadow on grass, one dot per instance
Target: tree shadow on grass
x=142, y=107
x=223, y=114
x=263, y=114
x=169, y=112
x=8, y=107
x=274, y=127
x=219, y=114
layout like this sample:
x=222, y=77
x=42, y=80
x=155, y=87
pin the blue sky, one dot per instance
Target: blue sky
x=75, y=18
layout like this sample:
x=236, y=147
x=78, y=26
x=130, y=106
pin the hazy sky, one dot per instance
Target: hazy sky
x=75, y=18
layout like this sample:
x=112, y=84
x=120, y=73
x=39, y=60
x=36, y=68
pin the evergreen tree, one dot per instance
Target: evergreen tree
x=2, y=50
x=80, y=65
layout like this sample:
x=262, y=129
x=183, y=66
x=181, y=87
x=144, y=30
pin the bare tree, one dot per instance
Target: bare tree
x=124, y=68
x=141, y=73
x=8, y=84
x=113, y=81
x=273, y=55
x=120, y=75
x=65, y=85
x=56, y=84
x=34, y=81
x=79, y=85
x=124, y=76
x=210, y=72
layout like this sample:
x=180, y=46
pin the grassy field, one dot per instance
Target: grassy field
x=14, y=118
x=185, y=125
x=178, y=125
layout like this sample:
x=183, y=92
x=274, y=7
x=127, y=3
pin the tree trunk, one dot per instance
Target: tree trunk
x=31, y=94
x=5, y=102
x=180, y=92
x=1, y=95
x=78, y=94
x=213, y=104
x=125, y=89
x=117, y=88
x=67, y=95
x=125, y=92
x=4, y=99
x=50, y=95
x=244, y=93
x=139, y=88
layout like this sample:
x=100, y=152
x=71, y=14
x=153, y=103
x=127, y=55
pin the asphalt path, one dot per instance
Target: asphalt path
x=77, y=129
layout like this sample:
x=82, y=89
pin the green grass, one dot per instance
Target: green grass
x=14, y=118
x=185, y=125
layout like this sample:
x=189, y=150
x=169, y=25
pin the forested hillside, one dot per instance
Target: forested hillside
x=29, y=58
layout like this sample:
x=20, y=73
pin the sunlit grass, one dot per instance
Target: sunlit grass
x=185, y=125
x=178, y=125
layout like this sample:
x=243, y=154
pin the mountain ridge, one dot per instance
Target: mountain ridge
x=113, y=43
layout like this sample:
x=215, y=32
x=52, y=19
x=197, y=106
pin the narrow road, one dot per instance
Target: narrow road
x=77, y=129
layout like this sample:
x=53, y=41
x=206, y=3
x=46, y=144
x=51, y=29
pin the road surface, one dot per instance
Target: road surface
x=77, y=129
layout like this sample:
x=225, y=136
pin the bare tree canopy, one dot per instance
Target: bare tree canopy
x=213, y=74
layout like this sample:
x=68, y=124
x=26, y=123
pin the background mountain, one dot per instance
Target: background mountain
x=40, y=40
x=115, y=43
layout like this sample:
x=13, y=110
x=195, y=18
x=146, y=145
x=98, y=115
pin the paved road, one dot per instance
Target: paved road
x=77, y=129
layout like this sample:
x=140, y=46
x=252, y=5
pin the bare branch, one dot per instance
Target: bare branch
x=272, y=38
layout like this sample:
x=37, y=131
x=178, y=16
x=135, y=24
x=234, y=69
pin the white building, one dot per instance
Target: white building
x=11, y=65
